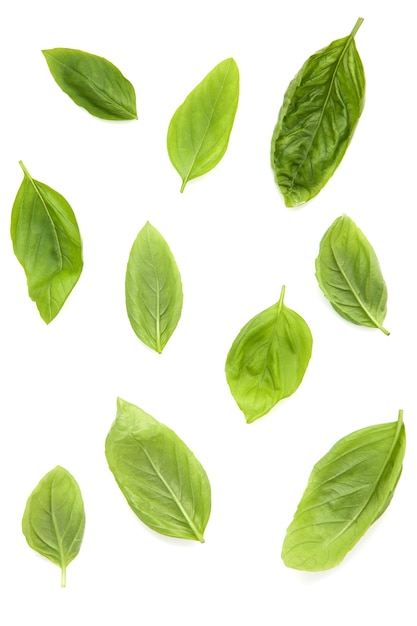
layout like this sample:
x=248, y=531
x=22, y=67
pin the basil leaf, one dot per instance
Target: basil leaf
x=268, y=359
x=199, y=130
x=349, y=275
x=153, y=289
x=162, y=481
x=47, y=243
x=93, y=82
x=54, y=519
x=317, y=120
x=348, y=490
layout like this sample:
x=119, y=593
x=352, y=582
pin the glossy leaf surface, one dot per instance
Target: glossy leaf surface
x=54, y=519
x=92, y=82
x=47, y=243
x=199, y=130
x=348, y=490
x=349, y=275
x=317, y=120
x=268, y=359
x=161, y=479
x=153, y=289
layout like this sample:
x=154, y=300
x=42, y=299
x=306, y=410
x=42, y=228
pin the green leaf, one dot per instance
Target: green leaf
x=93, y=82
x=317, y=120
x=54, y=519
x=268, y=359
x=348, y=490
x=349, y=275
x=162, y=481
x=153, y=289
x=199, y=130
x=47, y=243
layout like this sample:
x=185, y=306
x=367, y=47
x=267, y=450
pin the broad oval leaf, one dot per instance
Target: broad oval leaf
x=161, y=479
x=268, y=359
x=199, y=130
x=349, y=275
x=317, y=120
x=92, y=82
x=47, y=243
x=153, y=288
x=54, y=519
x=348, y=490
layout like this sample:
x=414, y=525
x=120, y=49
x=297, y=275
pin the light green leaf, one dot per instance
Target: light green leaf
x=47, y=243
x=268, y=359
x=348, y=490
x=199, y=131
x=92, y=82
x=153, y=289
x=317, y=120
x=54, y=519
x=162, y=481
x=349, y=275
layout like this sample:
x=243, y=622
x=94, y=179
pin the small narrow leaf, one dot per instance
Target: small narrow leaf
x=47, y=243
x=153, y=289
x=54, y=519
x=92, y=82
x=317, y=120
x=199, y=131
x=268, y=359
x=348, y=490
x=162, y=481
x=349, y=275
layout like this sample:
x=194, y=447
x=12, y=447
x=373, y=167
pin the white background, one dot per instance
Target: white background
x=236, y=244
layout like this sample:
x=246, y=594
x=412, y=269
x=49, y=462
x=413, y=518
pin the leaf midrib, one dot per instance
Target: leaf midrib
x=274, y=333
x=376, y=483
x=267, y=346
x=89, y=80
x=330, y=89
x=158, y=296
x=356, y=296
x=184, y=513
x=197, y=152
x=54, y=230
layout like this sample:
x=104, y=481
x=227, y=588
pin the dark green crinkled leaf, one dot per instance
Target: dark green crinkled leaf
x=54, y=519
x=348, y=490
x=161, y=479
x=47, y=243
x=199, y=130
x=268, y=359
x=349, y=275
x=153, y=289
x=93, y=82
x=321, y=109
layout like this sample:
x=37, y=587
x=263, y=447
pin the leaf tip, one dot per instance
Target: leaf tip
x=250, y=418
x=120, y=406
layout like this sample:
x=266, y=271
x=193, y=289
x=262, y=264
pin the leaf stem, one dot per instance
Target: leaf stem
x=26, y=173
x=400, y=417
x=357, y=26
x=63, y=575
x=281, y=299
